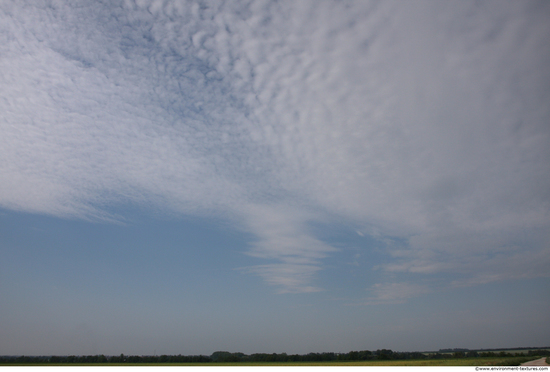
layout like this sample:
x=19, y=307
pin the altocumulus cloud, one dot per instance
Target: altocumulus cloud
x=421, y=123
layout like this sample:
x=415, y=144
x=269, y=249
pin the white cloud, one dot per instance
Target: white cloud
x=423, y=121
x=283, y=236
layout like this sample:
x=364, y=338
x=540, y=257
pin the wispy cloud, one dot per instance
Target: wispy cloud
x=427, y=122
x=283, y=236
x=394, y=293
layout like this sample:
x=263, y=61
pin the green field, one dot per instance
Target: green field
x=496, y=361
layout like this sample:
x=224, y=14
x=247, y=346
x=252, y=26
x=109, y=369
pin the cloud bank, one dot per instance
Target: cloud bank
x=422, y=121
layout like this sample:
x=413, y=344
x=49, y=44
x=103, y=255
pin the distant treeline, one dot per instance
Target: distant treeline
x=227, y=357
x=482, y=350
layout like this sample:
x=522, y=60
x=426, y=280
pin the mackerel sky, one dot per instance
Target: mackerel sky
x=273, y=176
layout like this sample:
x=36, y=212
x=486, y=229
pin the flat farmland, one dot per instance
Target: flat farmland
x=494, y=361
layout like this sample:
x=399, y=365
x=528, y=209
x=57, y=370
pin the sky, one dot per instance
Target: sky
x=181, y=177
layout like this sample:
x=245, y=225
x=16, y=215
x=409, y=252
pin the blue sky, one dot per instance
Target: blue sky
x=261, y=176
